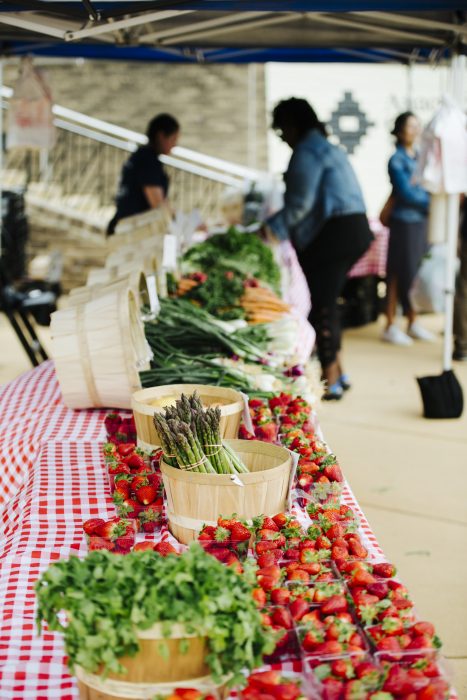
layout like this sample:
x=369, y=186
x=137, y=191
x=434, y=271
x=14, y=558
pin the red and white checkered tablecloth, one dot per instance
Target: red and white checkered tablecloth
x=53, y=478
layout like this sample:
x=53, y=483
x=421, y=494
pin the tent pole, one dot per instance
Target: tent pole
x=452, y=225
x=452, y=228
x=1, y=156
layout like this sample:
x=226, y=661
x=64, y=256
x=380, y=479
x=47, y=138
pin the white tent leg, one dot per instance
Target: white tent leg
x=452, y=228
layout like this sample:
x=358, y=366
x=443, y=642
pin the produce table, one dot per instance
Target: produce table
x=52, y=479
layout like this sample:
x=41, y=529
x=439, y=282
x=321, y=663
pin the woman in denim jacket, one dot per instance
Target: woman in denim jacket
x=324, y=217
x=407, y=232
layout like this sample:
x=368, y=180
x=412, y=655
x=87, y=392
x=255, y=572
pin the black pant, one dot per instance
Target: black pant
x=325, y=263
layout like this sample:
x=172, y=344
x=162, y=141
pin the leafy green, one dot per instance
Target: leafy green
x=235, y=251
x=106, y=599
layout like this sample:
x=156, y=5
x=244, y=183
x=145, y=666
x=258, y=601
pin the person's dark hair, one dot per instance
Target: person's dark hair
x=164, y=123
x=400, y=123
x=298, y=113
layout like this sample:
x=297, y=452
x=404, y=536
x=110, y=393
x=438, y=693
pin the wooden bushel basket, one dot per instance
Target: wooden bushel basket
x=149, y=401
x=194, y=499
x=136, y=282
x=99, y=348
x=107, y=275
x=158, y=667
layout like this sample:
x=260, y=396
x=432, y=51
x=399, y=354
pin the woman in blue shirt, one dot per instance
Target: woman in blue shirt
x=143, y=182
x=324, y=218
x=407, y=232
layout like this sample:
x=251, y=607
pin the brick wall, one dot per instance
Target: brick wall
x=211, y=102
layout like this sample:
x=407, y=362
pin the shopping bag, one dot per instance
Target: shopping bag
x=427, y=294
x=30, y=119
x=441, y=395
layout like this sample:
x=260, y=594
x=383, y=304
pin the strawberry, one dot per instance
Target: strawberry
x=264, y=679
x=384, y=570
x=164, y=549
x=125, y=542
x=266, y=432
x=424, y=628
x=361, y=577
x=333, y=473
x=379, y=589
x=332, y=689
x=259, y=597
x=136, y=461
x=138, y=481
x=280, y=596
x=280, y=520
x=119, y=468
x=392, y=626
x=281, y=617
x=146, y=494
x=335, y=532
x=269, y=558
x=144, y=546
x=391, y=648
x=264, y=546
x=299, y=575
x=112, y=422
x=298, y=608
x=265, y=522
x=96, y=543
x=150, y=519
x=239, y=533
x=342, y=668
x=220, y=553
x=91, y=525
x=233, y=561
x=290, y=554
x=126, y=507
x=357, y=549
x=437, y=690
x=338, y=553
x=122, y=487
x=322, y=542
x=334, y=604
x=126, y=449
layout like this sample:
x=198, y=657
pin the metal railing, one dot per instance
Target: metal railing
x=84, y=165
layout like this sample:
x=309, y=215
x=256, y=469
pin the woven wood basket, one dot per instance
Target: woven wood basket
x=153, y=670
x=150, y=249
x=194, y=499
x=99, y=348
x=136, y=281
x=149, y=401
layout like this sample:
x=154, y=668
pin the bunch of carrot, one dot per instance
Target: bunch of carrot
x=262, y=305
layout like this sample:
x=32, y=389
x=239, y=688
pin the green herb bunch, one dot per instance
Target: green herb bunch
x=236, y=252
x=106, y=599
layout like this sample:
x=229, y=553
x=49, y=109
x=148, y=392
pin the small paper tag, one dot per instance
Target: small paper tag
x=153, y=296
x=295, y=457
x=169, y=257
x=235, y=479
x=246, y=415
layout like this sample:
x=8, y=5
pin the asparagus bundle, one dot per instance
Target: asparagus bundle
x=190, y=437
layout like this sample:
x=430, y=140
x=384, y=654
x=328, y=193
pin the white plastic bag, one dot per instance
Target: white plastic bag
x=443, y=153
x=30, y=119
x=427, y=293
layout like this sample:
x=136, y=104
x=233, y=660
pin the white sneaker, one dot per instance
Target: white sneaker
x=419, y=333
x=394, y=335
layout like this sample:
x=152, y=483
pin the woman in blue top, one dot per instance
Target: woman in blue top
x=324, y=218
x=407, y=232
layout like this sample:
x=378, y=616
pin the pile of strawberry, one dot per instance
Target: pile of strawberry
x=137, y=490
x=286, y=420
x=119, y=429
x=266, y=685
x=278, y=417
x=115, y=535
x=228, y=541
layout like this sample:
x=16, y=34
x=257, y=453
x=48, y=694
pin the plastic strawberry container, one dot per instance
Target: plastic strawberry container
x=238, y=548
x=345, y=676
x=327, y=637
x=415, y=676
x=329, y=493
x=279, y=619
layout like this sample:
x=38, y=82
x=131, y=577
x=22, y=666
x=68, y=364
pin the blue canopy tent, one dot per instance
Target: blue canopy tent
x=236, y=30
